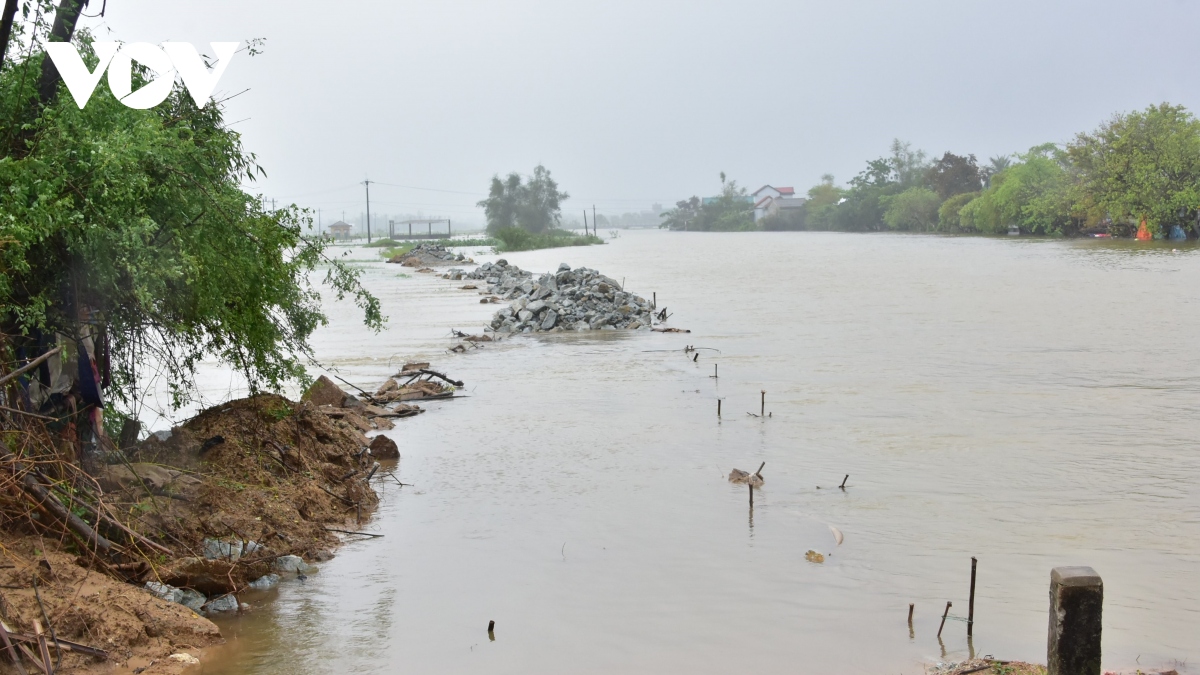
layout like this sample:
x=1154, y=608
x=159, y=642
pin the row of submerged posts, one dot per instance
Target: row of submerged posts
x=1076, y=593
x=1073, y=641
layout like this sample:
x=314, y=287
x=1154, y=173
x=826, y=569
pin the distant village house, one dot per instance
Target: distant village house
x=770, y=201
x=339, y=230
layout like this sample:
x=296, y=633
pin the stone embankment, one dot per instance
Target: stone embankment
x=567, y=300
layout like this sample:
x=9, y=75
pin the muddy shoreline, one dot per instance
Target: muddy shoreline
x=244, y=496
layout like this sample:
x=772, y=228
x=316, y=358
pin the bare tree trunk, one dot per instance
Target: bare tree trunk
x=6, y=24
x=64, y=28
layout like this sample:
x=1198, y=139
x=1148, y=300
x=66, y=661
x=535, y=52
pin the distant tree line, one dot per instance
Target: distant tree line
x=730, y=211
x=1136, y=168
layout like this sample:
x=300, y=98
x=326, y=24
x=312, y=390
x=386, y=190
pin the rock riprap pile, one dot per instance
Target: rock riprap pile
x=580, y=299
x=427, y=254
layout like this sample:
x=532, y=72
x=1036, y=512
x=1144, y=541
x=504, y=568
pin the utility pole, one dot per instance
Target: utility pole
x=585, y=222
x=367, y=184
x=595, y=232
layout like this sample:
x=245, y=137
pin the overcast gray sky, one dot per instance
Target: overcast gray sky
x=633, y=102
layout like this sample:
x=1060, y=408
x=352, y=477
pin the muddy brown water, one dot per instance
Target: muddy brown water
x=1031, y=403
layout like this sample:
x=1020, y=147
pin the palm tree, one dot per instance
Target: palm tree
x=997, y=164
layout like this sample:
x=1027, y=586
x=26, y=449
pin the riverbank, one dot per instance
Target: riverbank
x=240, y=498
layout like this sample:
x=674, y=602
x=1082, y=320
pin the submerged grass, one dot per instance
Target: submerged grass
x=396, y=250
x=517, y=239
x=384, y=243
x=505, y=241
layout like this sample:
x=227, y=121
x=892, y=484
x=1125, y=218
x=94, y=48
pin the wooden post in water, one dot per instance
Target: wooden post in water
x=654, y=303
x=751, y=494
x=715, y=376
x=944, y=615
x=911, y=605
x=718, y=408
x=971, y=601
x=763, y=408
x=843, y=485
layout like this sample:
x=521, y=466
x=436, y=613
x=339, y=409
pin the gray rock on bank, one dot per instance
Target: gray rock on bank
x=567, y=300
x=428, y=254
x=193, y=600
x=292, y=564
x=265, y=582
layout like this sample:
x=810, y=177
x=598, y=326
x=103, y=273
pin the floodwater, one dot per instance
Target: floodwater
x=1031, y=403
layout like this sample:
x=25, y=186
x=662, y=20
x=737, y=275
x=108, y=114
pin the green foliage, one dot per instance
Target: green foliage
x=824, y=193
x=908, y=166
x=478, y=241
x=948, y=212
x=914, y=210
x=995, y=165
x=520, y=239
x=1034, y=194
x=784, y=221
x=394, y=251
x=534, y=205
x=953, y=175
x=134, y=221
x=731, y=211
x=1142, y=165
x=280, y=412
x=384, y=243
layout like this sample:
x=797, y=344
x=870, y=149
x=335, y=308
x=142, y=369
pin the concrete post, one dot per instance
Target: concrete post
x=1076, y=601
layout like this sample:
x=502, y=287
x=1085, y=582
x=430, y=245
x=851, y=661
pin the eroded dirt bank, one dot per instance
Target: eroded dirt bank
x=117, y=569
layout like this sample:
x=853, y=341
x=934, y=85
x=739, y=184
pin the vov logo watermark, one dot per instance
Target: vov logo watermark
x=164, y=61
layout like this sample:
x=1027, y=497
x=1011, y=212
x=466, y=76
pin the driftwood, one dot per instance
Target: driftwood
x=66, y=645
x=365, y=534
x=12, y=651
x=134, y=536
x=28, y=414
x=440, y=376
x=52, y=507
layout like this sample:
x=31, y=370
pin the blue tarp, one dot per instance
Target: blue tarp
x=1177, y=233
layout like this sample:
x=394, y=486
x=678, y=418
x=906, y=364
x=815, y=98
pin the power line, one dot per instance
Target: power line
x=413, y=187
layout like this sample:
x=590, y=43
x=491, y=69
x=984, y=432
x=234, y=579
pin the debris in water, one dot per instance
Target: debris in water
x=814, y=557
x=837, y=534
x=739, y=476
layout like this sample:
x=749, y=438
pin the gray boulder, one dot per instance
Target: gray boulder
x=225, y=603
x=265, y=582
x=292, y=564
x=193, y=600
x=165, y=591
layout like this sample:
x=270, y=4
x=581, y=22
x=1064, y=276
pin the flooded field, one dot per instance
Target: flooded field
x=1030, y=403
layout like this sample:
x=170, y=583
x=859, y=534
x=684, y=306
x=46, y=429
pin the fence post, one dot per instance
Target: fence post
x=1076, y=602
